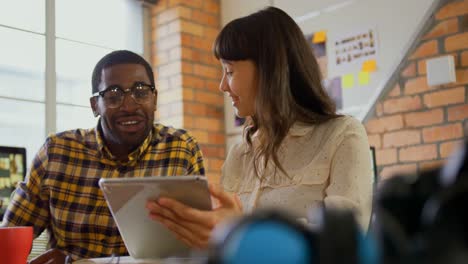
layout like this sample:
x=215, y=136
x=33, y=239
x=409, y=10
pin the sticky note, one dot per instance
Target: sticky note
x=363, y=78
x=347, y=81
x=369, y=66
x=319, y=37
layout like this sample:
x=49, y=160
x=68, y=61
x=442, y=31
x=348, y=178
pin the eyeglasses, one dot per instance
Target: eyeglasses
x=114, y=95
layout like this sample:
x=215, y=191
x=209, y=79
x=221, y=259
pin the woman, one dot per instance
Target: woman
x=297, y=152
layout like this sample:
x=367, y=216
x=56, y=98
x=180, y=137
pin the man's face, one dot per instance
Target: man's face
x=127, y=126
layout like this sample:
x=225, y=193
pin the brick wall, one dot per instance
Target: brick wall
x=188, y=75
x=416, y=126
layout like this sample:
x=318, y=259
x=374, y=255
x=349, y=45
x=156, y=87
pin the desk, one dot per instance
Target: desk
x=130, y=260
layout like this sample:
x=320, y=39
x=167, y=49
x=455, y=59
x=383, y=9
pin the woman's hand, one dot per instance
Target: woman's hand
x=190, y=225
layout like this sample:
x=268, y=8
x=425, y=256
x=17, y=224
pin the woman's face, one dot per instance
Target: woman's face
x=240, y=81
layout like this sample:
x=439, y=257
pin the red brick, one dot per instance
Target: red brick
x=404, y=104
x=159, y=7
x=426, y=49
x=443, y=28
x=396, y=91
x=184, y=12
x=190, y=3
x=211, y=6
x=213, y=151
x=409, y=71
x=215, y=164
x=206, y=57
x=416, y=85
x=464, y=59
x=205, y=18
x=446, y=149
x=191, y=28
x=186, y=53
x=198, y=109
x=374, y=140
x=386, y=156
x=445, y=97
x=378, y=109
x=466, y=128
x=209, y=98
x=441, y=133
x=213, y=85
x=195, y=109
x=420, y=119
x=401, y=138
x=458, y=112
x=201, y=135
x=455, y=8
x=185, y=40
x=210, y=33
x=418, y=153
x=187, y=67
x=456, y=42
x=206, y=71
x=191, y=81
x=202, y=44
x=389, y=171
x=213, y=177
x=422, y=67
x=428, y=165
x=218, y=138
x=462, y=76
x=188, y=94
x=387, y=123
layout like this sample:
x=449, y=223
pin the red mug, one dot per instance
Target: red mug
x=15, y=244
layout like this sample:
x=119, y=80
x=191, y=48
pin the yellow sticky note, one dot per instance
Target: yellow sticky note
x=347, y=81
x=363, y=78
x=319, y=37
x=369, y=66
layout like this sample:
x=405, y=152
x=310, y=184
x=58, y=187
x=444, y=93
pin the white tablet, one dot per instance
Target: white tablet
x=143, y=237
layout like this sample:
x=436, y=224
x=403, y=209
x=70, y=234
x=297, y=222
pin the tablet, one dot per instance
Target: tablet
x=143, y=237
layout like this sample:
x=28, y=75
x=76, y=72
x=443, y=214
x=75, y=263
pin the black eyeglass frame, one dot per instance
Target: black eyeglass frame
x=128, y=90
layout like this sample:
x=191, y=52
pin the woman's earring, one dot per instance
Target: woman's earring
x=95, y=113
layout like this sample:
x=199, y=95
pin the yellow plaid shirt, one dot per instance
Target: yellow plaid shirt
x=61, y=193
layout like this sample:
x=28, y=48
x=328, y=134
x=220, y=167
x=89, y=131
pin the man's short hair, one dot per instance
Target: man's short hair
x=115, y=58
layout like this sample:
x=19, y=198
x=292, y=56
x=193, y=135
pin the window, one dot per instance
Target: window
x=47, y=61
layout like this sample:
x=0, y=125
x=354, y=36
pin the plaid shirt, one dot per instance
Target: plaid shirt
x=61, y=193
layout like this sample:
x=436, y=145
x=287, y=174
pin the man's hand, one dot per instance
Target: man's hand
x=51, y=256
x=190, y=225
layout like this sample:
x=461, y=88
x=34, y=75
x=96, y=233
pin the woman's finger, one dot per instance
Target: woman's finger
x=190, y=234
x=224, y=198
x=205, y=218
x=198, y=229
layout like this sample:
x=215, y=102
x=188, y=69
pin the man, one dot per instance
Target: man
x=61, y=193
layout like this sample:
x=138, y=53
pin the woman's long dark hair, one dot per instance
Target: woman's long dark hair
x=289, y=86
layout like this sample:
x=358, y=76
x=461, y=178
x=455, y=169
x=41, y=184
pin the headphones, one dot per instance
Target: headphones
x=272, y=236
x=422, y=218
